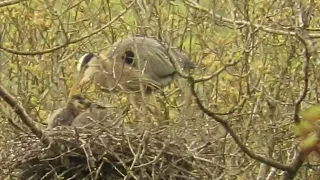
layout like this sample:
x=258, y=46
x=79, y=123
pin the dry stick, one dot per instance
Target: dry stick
x=288, y=31
x=156, y=158
x=289, y=168
x=9, y=119
x=305, y=90
x=225, y=124
x=136, y=156
x=309, y=54
x=10, y=2
x=296, y=164
x=272, y=174
x=90, y=159
x=69, y=42
x=24, y=116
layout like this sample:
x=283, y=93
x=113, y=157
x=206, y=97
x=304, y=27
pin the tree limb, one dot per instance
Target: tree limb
x=296, y=164
x=10, y=2
x=289, y=168
x=24, y=116
x=264, y=28
x=67, y=43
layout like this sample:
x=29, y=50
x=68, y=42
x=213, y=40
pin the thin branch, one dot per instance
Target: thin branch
x=10, y=2
x=265, y=28
x=21, y=112
x=245, y=149
x=215, y=74
x=296, y=164
x=71, y=41
x=304, y=92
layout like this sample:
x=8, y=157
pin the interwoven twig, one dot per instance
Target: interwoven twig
x=119, y=152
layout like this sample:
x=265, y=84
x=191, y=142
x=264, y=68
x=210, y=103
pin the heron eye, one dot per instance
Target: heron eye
x=128, y=57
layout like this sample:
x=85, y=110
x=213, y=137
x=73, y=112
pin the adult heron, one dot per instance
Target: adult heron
x=131, y=64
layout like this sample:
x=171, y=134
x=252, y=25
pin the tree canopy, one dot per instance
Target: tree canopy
x=253, y=110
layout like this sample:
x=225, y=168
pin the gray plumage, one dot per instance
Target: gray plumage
x=65, y=115
x=91, y=117
x=150, y=57
x=129, y=62
x=98, y=116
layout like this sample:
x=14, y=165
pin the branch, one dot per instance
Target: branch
x=304, y=92
x=265, y=28
x=245, y=149
x=21, y=112
x=296, y=164
x=215, y=74
x=67, y=43
x=10, y=2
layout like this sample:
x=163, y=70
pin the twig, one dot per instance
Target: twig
x=215, y=74
x=235, y=137
x=154, y=159
x=271, y=174
x=90, y=158
x=246, y=23
x=21, y=112
x=296, y=164
x=10, y=2
x=67, y=43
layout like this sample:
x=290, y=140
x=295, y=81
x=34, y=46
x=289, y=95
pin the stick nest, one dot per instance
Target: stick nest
x=116, y=152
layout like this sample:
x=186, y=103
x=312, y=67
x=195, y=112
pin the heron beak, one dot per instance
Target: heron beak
x=84, y=81
x=78, y=84
x=75, y=86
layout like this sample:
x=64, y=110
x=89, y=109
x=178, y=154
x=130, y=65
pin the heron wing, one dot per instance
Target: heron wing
x=151, y=59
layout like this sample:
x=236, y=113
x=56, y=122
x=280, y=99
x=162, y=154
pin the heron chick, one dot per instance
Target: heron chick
x=91, y=116
x=64, y=116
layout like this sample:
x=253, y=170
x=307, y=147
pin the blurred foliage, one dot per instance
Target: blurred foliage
x=256, y=94
x=308, y=130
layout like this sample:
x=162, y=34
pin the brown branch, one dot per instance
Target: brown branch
x=218, y=72
x=264, y=28
x=296, y=164
x=304, y=92
x=21, y=112
x=245, y=149
x=67, y=43
x=14, y=125
x=310, y=54
x=10, y=2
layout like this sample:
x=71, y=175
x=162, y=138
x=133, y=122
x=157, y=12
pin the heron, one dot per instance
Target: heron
x=92, y=115
x=133, y=65
x=98, y=116
x=64, y=116
x=129, y=62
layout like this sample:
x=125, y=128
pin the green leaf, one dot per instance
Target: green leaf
x=303, y=128
x=311, y=114
x=309, y=142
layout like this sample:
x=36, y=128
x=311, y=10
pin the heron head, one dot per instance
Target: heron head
x=87, y=66
x=78, y=103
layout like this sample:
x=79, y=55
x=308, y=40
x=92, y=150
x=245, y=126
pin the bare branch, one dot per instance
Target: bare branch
x=247, y=23
x=67, y=43
x=296, y=164
x=10, y=2
x=234, y=136
x=21, y=112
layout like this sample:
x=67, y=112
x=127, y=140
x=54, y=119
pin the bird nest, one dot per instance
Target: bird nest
x=118, y=152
